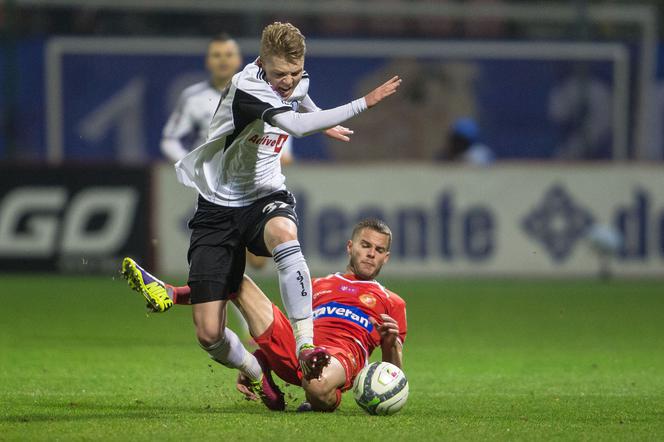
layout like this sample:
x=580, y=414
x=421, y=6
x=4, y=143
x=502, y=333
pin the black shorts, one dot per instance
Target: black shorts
x=219, y=239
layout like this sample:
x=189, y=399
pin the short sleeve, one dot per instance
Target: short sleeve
x=398, y=312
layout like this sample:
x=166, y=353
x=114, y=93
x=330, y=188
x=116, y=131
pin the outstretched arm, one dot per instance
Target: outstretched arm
x=383, y=91
x=308, y=105
x=340, y=133
x=300, y=125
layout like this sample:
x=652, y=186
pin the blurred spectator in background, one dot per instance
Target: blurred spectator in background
x=187, y=127
x=463, y=145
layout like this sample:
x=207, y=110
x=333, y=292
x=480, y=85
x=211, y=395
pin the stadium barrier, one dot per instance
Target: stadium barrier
x=73, y=219
x=511, y=220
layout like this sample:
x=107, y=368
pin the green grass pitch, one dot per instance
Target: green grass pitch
x=512, y=360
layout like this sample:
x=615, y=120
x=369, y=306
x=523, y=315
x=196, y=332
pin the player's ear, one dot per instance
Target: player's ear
x=387, y=258
x=349, y=246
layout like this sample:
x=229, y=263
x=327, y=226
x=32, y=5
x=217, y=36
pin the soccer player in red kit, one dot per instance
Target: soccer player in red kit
x=353, y=315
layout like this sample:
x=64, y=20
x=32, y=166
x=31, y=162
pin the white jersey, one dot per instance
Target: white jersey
x=240, y=162
x=193, y=113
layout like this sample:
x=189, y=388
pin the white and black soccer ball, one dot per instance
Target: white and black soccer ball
x=381, y=388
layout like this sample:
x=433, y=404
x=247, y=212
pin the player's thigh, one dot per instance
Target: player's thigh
x=215, y=273
x=210, y=321
x=255, y=307
x=213, y=312
x=272, y=221
x=278, y=230
x=216, y=253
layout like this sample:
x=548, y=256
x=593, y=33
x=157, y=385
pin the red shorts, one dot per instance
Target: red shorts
x=278, y=344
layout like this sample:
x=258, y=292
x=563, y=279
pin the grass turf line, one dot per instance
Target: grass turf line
x=485, y=359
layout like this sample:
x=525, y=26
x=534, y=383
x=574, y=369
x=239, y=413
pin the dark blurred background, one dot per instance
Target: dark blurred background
x=555, y=100
x=564, y=100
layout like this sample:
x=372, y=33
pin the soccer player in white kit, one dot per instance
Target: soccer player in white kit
x=187, y=126
x=243, y=202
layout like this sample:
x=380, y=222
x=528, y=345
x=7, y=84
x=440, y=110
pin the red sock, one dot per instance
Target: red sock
x=180, y=294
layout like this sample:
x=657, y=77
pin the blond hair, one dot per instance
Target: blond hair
x=283, y=40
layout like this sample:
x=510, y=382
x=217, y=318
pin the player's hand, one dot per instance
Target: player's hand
x=388, y=329
x=339, y=133
x=241, y=386
x=383, y=91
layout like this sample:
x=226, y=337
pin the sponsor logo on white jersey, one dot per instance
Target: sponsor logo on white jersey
x=275, y=141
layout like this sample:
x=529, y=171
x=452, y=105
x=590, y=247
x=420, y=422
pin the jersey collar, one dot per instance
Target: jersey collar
x=350, y=277
x=353, y=278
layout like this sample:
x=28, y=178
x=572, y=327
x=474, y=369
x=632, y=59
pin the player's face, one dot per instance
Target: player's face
x=283, y=75
x=368, y=252
x=223, y=60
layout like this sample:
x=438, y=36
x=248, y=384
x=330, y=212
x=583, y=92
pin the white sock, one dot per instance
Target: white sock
x=303, y=330
x=230, y=352
x=295, y=286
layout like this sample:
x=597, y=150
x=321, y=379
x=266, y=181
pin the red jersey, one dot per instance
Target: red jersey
x=342, y=306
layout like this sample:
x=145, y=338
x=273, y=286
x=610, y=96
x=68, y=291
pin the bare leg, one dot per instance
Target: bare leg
x=210, y=321
x=256, y=262
x=220, y=342
x=258, y=311
x=324, y=393
x=255, y=307
x=240, y=323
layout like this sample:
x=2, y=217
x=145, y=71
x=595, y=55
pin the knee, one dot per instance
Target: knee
x=279, y=230
x=208, y=335
x=320, y=394
x=317, y=388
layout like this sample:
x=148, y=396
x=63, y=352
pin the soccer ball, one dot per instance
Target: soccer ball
x=381, y=388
